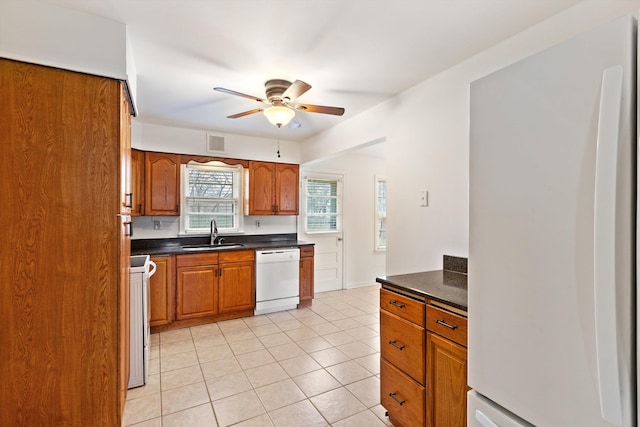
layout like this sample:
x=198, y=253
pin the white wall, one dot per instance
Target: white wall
x=361, y=263
x=427, y=128
x=154, y=137
x=41, y=33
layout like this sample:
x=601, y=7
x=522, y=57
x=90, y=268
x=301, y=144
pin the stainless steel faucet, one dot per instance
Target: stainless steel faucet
x=214, y=232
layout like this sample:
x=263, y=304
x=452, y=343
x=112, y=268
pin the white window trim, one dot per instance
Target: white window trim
x=376, y=216
x=183, y=199
x=339, y=217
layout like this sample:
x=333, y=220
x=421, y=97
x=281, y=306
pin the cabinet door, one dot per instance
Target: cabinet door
x=306, y=279
x=261, y=188
x=197, y=292
x=447, y=382
x=236, y=286
x=137, y=183
x=286, y=185
x=160, y=291
x=162, y=184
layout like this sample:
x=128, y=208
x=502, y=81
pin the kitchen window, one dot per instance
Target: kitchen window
x=381, y=214
x=211, y=191
x=323, y=203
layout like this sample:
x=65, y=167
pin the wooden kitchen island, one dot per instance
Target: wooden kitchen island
x=423, y=346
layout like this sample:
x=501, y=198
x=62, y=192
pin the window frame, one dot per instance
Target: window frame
x=339, y=202
x=238, y=198
x=378, y=216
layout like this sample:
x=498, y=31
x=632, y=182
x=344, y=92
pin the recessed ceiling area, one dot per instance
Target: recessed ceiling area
x=354, y=53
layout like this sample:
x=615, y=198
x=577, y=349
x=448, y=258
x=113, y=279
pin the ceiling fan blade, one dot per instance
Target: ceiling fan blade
x=244, y=113
x=336, y=111
x=296, y=89
x=244, y=95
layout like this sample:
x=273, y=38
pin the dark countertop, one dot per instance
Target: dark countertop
x=448, y=287
x=174, y=246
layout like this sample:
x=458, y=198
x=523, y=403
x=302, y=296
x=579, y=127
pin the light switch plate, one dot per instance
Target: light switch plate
x=424, y=198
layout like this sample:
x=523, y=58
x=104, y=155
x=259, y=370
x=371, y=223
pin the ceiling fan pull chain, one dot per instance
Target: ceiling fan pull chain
x=278, y=152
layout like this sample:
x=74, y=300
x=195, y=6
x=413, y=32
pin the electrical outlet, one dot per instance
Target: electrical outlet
x=157, y=225
x=257, y=224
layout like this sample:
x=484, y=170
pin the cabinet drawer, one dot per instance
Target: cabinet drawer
x=447, y=324
x=306, y=251
x=402, y=397
x=402, y=306
x=402, y=344
x=236, y=256
x=196, y=259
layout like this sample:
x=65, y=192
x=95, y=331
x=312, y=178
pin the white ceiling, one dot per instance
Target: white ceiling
x=355, y=53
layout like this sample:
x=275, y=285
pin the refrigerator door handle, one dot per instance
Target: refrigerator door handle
x=604, y=237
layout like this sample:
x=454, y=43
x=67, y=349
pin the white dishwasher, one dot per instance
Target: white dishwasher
x=277, y=280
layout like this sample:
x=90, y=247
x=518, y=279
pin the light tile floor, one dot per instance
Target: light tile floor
x=316, y=366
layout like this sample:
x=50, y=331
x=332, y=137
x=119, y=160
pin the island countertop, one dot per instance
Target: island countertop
x=448, y=287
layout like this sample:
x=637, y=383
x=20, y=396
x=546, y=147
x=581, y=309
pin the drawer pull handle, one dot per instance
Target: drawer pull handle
x=393, y=396
x=397, y=304
x=445, y=324
x=398, y=346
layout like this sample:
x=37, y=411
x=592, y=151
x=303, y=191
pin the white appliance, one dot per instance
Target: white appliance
x=552, y=236
x=277, y=280
x=142, y=268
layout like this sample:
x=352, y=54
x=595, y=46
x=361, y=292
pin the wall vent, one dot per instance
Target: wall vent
x=215, y=144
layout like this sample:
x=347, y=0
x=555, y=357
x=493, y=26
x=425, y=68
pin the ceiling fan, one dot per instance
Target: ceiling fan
x=280, y=95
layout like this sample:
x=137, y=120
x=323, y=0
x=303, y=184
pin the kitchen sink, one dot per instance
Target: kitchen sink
x=207, y=247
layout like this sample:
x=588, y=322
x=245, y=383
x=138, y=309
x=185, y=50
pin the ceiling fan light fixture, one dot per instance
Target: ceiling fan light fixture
x=279, y=115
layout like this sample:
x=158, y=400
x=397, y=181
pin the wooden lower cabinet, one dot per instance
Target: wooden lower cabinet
x=306, y=276
x=236, y=282
x=161, y=286
x=446, y=382
x=402, y=344
x=197, y=292
x=423, y=364
x=401, y=396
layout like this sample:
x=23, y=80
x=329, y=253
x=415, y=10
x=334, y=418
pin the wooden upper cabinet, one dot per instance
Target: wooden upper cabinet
x=162, y=184
x=287, y=189
x=137, y=183
x=273, y=189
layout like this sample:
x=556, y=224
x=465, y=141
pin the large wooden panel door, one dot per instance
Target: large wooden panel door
x=287, y=184
x=162, y=184
x=61, y=269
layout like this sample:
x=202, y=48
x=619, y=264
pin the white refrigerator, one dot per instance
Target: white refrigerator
x=552, y=280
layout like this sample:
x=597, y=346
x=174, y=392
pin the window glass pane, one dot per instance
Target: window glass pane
x=323, y=205
x=211, y=192
x=210, y=183
x=382, y=196
x=322, y=188
x=381, y=212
